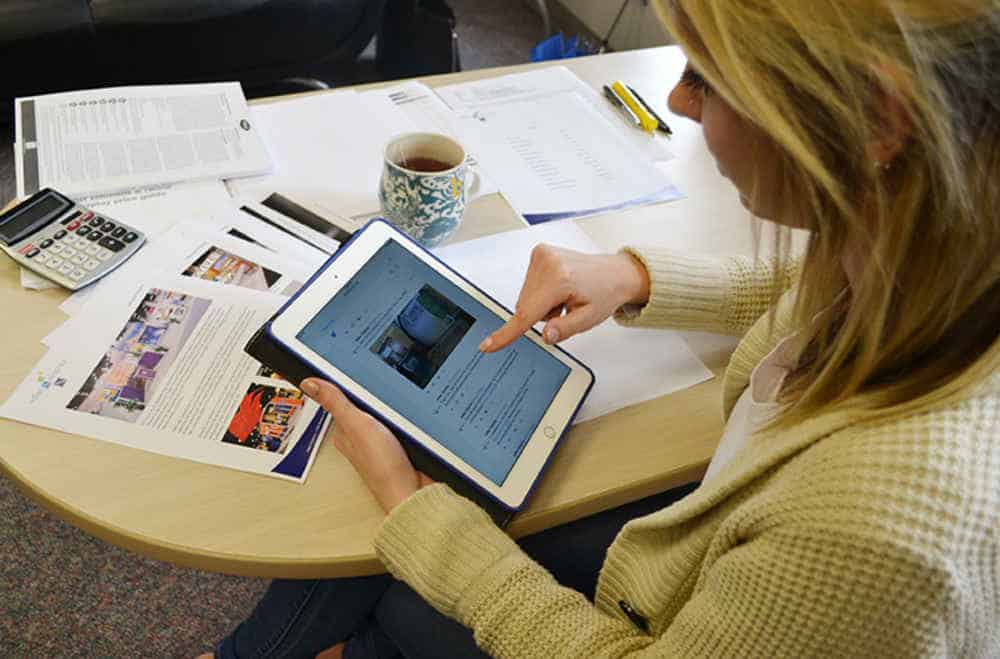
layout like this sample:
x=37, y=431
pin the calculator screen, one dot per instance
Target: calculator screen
x=28, y=218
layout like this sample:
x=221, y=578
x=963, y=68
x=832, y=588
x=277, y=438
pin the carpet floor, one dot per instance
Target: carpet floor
x=67, y=594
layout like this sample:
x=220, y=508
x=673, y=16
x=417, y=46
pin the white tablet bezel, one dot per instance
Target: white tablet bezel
x=310, y=301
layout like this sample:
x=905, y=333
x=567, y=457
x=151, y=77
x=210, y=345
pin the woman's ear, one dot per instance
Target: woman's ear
x=891, y=115
x=685, y=102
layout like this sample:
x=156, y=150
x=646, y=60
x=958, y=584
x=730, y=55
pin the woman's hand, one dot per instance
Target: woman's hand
x=370, y=447
x=572, y=292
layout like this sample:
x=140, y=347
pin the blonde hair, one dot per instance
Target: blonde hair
x=920, y=323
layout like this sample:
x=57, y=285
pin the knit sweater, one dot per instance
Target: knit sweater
x=843, y=536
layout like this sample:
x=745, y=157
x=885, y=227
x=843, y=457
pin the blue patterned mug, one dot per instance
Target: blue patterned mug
x=425, y=186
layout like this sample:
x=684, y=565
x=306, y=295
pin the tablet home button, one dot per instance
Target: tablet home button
x=549, y=431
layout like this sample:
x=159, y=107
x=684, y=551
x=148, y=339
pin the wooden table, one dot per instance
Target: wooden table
x=227, y=521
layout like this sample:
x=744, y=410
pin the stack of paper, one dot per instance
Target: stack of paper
x=152, y=356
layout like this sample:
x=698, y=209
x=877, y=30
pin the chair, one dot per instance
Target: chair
x=57, y=45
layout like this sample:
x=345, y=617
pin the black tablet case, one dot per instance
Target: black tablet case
x=265, y=350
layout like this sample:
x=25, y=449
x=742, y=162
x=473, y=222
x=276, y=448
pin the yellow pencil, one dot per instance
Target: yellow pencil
x=648, y=121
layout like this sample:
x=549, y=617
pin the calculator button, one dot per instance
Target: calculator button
x=56, y=249
x=69, y=218
x=92, y=250
x=53, y=262
x=73, y=226
x=68, y=252
x=119, y=232
x=79, y=259
x=129, y=237
x=33, y=253
x=104, y=255
x=110, y=243
x=66, y=268
x=95, y=236
x=83, y=231
x=27, y=248
x=91, y=264
x=108, y=227
x=78, y=274
x=96, y=221
x=46, y=243
x=60, y=234
x=86, y=217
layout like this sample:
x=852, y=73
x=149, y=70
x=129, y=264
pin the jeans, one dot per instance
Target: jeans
x=381, y=618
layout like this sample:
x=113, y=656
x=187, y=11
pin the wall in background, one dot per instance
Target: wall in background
x=639, y=27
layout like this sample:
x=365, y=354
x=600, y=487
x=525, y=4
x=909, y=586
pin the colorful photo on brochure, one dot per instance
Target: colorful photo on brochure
x=422, y=336
x=126, y=377
x=265, y=418
x=224, y=267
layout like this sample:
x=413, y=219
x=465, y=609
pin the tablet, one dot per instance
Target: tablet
x=399, y=331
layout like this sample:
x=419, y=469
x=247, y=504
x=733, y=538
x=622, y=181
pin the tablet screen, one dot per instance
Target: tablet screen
x=411, y=338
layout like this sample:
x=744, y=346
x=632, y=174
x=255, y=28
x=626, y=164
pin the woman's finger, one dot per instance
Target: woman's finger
x=570, y=324
x=333, y=400
x=535, y=306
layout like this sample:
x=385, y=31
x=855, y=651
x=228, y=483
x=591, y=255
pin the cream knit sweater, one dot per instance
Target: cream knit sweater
x=841, y=537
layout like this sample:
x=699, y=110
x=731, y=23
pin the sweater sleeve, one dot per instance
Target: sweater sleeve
x=723, y=295
x=811, y=589
x=471, y=571
x=769, y=596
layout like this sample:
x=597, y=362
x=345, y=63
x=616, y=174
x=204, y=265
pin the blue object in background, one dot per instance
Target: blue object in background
x=558, y=47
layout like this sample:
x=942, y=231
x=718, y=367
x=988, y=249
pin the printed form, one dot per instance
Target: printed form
x=105, y=140
x=552, y=153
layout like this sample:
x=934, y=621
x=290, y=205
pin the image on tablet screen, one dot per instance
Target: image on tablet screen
x=422, y=336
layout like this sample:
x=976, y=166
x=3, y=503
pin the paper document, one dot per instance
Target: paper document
x=164, y=371
x=468, y=97
x=327, y=150
x=104, y=140
x=555, y=157
x=630, y=365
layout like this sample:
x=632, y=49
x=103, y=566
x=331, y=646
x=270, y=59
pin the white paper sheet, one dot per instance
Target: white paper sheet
x=327, y=150
x=104, y=140
x=164, y=371
x=468, y=97
x=630, y=365
x=554, y=156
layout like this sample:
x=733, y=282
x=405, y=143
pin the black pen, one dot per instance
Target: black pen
x=662, y=125
x=620, y=104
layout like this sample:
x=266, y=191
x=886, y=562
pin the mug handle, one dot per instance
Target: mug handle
x=471, y=190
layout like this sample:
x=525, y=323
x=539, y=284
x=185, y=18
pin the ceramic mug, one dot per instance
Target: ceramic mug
x=426, y=181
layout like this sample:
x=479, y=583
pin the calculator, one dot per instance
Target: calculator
x=57, y=238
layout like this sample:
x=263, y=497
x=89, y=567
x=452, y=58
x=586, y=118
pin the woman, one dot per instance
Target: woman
x=852, y=507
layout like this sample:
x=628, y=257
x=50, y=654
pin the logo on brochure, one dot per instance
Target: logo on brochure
x=46, y=381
